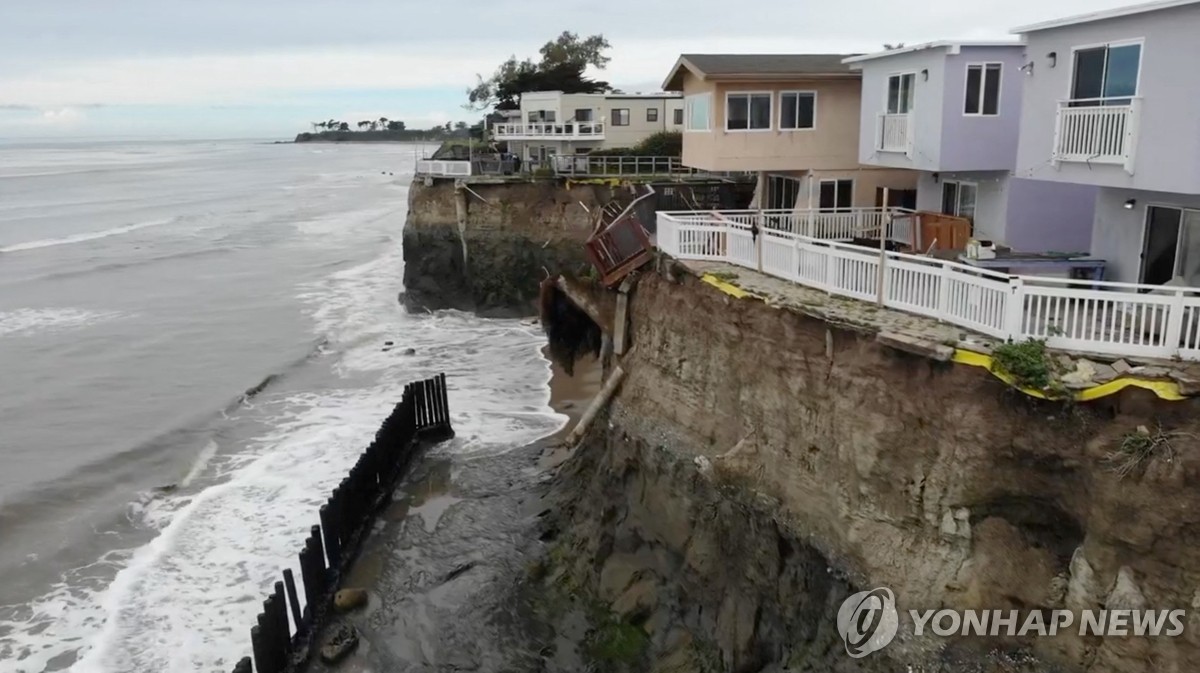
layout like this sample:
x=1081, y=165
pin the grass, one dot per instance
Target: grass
x=1025, y=361
x=1141, y=446
x=618, y=642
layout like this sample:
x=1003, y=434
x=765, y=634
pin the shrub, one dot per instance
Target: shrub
x=661, y=144
x=1026, y=362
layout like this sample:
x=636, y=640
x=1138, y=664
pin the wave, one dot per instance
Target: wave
x=80, y=238
x=40, y=320
x=118, y=266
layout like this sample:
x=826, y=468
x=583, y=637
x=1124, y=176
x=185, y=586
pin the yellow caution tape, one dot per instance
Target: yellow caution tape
x=1167, y=390
x=728, y=288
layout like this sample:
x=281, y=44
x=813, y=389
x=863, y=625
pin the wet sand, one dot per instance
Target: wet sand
x=443, y=559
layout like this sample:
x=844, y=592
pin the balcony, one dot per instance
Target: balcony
x=1094, y=131
x=550, y=131
x=895, y=133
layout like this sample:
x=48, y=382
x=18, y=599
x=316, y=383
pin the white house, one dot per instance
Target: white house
x=1112, y=99
x=553, y=122
x=951, y=110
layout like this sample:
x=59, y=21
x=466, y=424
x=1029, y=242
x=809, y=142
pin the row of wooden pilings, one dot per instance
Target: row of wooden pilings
x=280, y=646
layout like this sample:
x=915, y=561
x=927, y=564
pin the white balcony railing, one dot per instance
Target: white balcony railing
x=550, y=131
x=895, y=133
x=1119, y=319
x=1095, y=131
x=444, y=168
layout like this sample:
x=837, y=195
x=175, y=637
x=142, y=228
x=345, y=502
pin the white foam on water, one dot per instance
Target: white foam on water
x=30, y=321
x=80, y=238
x=186, y=601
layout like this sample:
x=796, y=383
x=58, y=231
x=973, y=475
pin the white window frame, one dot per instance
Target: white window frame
x=983, y=66
x=1137, y=92
x=779, y=117
x=770, y=113
x=887, y=87
x=688, y=103
x=958, y=197
x=836, y=208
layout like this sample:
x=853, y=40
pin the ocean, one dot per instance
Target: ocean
x=193, y=350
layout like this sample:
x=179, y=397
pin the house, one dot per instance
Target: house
x=793, y=118
x=1110, y=99
x=952, y=110
x=555, y=123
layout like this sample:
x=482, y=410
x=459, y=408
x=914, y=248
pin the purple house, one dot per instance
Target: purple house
x=952, y=112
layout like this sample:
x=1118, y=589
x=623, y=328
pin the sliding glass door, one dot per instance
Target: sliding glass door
x=1172, y=246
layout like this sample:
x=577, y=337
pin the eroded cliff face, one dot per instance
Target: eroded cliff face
x=758, y=465
x=485, y=247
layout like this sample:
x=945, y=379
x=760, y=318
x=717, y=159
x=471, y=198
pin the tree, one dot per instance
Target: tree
x=561, y=68
x=374, y=124
x=460, y=126
x=343, y=126
x=447, y=127
x=383, y=122
x=394, y=125
x=568, y=49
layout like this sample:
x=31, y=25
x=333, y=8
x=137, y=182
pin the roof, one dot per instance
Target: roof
x=1105, y=14
x=757, y=67
x=952, y=47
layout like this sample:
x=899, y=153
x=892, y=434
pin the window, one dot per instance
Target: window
x=836, y=194
x=1106, y=75
x=536, y=116
x=677, y=116
x=583, y=114
x=651, y=114
x=620, y=116
x=698, y=111
x=958, y=199
x=900, y=93
x=747, y=112
x=797, y=110
x=983, y=89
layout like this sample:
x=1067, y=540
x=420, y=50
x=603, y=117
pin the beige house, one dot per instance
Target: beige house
x=793, y=118
x=555, y=123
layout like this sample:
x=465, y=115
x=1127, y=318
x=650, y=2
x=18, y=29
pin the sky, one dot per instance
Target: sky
x=267, y=68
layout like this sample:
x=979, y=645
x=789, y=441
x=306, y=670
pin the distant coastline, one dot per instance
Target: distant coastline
x=405, y=135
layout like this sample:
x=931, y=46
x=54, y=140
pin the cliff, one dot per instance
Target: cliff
x=760, y=464
x=485, y=247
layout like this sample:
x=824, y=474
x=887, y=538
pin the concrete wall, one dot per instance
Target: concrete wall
x=1118, y=232
x=1168, y=144
x=831, y=144
x=981, y=142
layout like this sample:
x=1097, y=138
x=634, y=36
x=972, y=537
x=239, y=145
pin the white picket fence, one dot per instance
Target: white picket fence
x=1119, y=319
x=444, y=168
